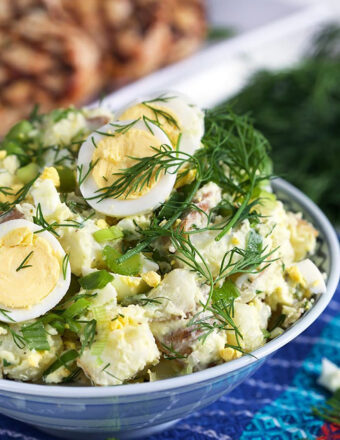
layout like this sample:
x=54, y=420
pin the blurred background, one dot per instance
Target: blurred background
x=277, y=60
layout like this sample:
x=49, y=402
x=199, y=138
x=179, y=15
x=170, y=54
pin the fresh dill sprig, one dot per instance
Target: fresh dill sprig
x=20, y=196
x=22, y=265
x=82, y=174
x=331, y=411
x=160, y=113
x=109, y=373
x=6, y=191
x=248, y=260
x=145, y=170
x=169, y=352
x=220, y=319
x=40, y=220
x=140, y=300
x=19, y=340
x=121, y=128
x=163, y=97
x=236, y=159
x=234, y=156
x=5, y=313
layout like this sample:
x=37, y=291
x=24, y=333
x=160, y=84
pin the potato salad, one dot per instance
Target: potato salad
x=143, y=244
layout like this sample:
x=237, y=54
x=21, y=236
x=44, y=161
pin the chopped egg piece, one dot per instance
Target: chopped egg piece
x=52, y=174
x=330, y=376
x=312, y=277
x=151, y=278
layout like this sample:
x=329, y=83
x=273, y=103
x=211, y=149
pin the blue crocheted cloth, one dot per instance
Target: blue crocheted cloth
x=273, y=404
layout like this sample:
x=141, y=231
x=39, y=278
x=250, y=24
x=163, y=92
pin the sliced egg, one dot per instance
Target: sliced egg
x=182, y=121
x=110, y=150
x=34, y=272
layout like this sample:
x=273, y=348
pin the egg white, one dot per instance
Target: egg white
x=189, y=116
x=54, y=297
x=120, y=207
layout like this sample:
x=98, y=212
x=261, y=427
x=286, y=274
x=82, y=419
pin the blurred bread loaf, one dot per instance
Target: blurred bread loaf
x=58, y=52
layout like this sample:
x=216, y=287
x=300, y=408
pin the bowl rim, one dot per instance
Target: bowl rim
x=208, y=374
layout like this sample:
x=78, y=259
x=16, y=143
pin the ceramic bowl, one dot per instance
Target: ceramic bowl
x=137, y=410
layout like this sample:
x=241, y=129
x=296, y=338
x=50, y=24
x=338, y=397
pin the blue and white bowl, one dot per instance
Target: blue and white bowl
x=137, y=410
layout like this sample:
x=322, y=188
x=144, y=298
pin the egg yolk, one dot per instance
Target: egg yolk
x=165, y=117
x=114, y=153
x=29, y=269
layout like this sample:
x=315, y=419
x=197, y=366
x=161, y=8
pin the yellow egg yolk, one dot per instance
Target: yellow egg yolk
x=165, y=117
x=20, y=286
x=114, y=153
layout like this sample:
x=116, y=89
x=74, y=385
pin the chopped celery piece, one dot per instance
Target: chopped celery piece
x=108, y=234
x=131, y=266
x=27, y=173
x=67, y=179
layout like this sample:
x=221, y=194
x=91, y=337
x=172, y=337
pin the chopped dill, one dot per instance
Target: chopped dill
x=169, y=353
x=82, y=175
x=64, y=265
x=5, y=313
x=22, y=265
x=40, y=220
x=331, y=411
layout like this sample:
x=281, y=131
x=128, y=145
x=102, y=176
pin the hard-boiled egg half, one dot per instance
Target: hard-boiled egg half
x=34, y=271
x=112, y=149
x=182, y=121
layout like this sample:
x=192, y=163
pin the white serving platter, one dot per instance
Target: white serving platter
x=269, y=34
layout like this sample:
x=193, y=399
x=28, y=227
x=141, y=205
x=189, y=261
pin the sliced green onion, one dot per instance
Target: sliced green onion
x=63, y=360
x=108, y=234
x=73, y=326
x=58, y=325
x=36, y=336
x=96, y=280
x=76, y=308
x=131, y=266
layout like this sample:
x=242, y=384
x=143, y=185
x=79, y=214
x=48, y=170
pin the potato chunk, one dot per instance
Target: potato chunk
x=123, y=348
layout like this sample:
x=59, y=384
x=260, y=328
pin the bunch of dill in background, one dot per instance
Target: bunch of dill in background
x=298, y=110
